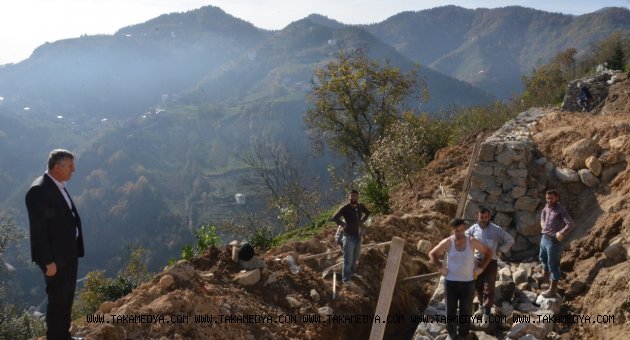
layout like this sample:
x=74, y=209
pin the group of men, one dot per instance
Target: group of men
x=472, y=255
x=471, y=262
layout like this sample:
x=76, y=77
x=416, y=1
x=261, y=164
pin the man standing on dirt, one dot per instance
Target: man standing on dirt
x=556, y=224
x=499, y=242
x=354, y=215
x=459, y=284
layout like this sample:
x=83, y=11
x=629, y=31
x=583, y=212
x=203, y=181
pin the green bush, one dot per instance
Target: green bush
x=205, y=238
x=376, y=194
x=97, y=288
x=261, y=238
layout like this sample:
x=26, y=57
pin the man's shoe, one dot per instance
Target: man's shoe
x=552, y=291
x=542, y=277
x=479, y=312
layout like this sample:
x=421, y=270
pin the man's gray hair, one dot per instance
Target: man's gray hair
x=57, y=156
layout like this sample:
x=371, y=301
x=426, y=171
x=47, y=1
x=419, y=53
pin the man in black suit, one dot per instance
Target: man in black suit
x=56, y=240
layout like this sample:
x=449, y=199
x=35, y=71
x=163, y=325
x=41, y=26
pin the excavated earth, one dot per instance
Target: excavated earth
x=593, y=284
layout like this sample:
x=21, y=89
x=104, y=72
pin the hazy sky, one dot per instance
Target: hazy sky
x=26, y=24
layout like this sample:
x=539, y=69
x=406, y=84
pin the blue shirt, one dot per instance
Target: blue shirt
x=493, y=237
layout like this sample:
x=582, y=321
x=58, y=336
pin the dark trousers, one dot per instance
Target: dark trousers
x=60, y=289
x=484, y=284
x=459, y=293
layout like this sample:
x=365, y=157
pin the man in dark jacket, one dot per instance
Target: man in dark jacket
x=354, y=215
x=56, y=240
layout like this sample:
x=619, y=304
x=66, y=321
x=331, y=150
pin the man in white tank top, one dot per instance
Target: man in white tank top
x=459, y=272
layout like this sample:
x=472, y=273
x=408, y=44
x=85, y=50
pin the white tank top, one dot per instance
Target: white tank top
x=460, y=264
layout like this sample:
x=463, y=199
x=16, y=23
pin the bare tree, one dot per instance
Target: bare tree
x=282, y=178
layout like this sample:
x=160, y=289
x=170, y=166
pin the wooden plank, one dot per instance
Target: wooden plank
x=306, y=257
x=422, y=277
x=387, y=287
x=471, y=164
x=368, y=246
x=365, y=246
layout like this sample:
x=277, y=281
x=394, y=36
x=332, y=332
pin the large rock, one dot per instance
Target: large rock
x=253, y=263
x=587, y=178
x=431, y=329
x=526, y=223
x=248, y=278
x=504, y=274
x=439, y=293
x=483, y=170
x=521, y=329
x=446, y=206
x=470, y=210
x=182, y=270
x=519, y=276
x=477, y=196
x=517, y=173
x=106, y=307
x=502, y=219
x=325, y=311
x=424, y=247
x=576, y=154
x=553, y=303
x=610, y=157
x=617, y=251
x=486, y=153
x=527, y=203
x=619, y=143
x=166, y=281
x=504, y=291
x=518, y=192
x=434, y=309
x=567, y=175
x=593, y=164
x=508, y=156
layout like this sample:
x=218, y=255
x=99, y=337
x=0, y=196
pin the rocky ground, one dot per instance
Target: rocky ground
x=595, y=262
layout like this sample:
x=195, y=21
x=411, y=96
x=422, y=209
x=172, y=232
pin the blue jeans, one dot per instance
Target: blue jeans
x=459, y=293
x=550, y=256
x=351, y=252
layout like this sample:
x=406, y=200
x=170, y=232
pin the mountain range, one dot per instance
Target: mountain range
x=160, y=113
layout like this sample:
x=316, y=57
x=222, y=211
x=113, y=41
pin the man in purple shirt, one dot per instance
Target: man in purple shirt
x=556, y=224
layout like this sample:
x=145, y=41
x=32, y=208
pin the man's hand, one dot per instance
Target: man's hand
x=478, y=270
x=443, y=270
x=499, y=253
x=51, y=269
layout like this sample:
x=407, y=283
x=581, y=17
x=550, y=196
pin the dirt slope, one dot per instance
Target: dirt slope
x=594, y=284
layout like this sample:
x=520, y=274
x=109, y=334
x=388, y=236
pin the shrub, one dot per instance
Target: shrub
x=205, y=238
x=376, y=194
x=261, y=238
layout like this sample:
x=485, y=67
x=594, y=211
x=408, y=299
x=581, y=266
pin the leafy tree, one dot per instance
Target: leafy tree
x=402, y=152
x=355, y=100
x=547, y=83
x=616, y=62
x=14, y=324
x=611, y=50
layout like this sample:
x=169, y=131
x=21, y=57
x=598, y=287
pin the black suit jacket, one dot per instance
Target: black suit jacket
x=53, y=226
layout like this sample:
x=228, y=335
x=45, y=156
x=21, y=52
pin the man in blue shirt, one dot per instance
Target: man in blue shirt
x=499, y=242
